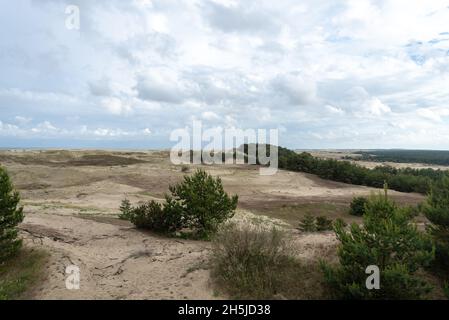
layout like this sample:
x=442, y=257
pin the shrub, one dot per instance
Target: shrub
x=205, y=204
x=125, y=210
x=198, y=204
x=339, y=221
x=10, y=216
x=436, y=210
x=308, y=224
x=358, y=206
x=388, y=240
x=323, y=224
x=251, y=262
x=446, y=289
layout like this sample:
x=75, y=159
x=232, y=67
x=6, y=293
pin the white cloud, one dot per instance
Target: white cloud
x=209, y=115
x=115, y=106
x=22, y=120
x=434, y=113
x=310, y=67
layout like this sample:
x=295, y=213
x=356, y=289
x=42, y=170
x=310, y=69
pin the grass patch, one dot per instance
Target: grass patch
x=293, y=213
x=20, y=273
x=253, y=262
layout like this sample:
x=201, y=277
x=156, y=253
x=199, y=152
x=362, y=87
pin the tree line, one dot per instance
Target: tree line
x=439, y=157
x=399, y=179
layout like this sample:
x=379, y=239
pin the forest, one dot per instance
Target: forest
x=404, y=179
x=438, y=157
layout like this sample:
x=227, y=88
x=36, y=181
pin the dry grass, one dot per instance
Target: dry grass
x=19, y=274
x=253, y=262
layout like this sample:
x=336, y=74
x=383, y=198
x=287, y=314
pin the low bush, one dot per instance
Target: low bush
x=312, y=224
x=308, y=224
x=323, y=224
x=251, y=262
x=387, y=239
x=357, y=207
x=195, y=208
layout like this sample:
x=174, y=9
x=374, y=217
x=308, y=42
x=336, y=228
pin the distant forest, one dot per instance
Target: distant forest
x=405, y=156
x=404, y=179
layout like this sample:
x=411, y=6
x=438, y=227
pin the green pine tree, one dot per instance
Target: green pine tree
x=125, y=210
x=10, y=216
x=308, y=224
x=436, y=210
x=387, y=239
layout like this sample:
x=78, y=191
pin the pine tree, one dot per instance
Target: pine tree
x=125, y=210
x=307, y=224
x=323, y=224
x=204, y=202
x=357, y=207
x=387, y=239
x=10, y=216
x=436, y=210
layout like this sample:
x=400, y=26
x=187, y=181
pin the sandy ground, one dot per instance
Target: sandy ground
x=71, y=203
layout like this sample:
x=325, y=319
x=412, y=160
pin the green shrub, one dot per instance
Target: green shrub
x=10, y=216
x=436, y=210
x=323, y=224
x=358, y=206
x=125, y=210
x=308, y=224
x=339, y=221
x=388, y=240
x=204, y=202
x=251, y=262
x=446, y=289
x=198, y=205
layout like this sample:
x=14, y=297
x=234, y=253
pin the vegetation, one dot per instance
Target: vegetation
x=307, y=224
x=198, y=204
x=323, y=224
x=255, y=263
x=10, y=216
x=357, y=207
x=405, y=180
x=125, y=210
x=387, y=239
x=311, y=224
x=436, y=210
x=19, y=273
x=405, y=156
x=446, y=289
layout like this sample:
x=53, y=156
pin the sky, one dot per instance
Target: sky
x=326, y=74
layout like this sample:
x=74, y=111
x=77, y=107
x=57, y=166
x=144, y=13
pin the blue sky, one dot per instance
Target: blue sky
x=327, y=74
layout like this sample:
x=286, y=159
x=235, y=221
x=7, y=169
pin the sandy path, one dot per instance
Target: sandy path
x=116, y=261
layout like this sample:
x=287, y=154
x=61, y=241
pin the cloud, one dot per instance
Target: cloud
x=160, y=88
x=434, y=113
x=238, y=17
x=115, y=105
x=296, y=89
x=331, y=74
x=22, y=120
